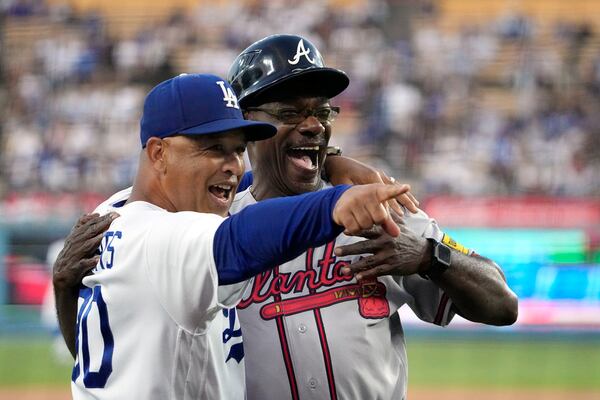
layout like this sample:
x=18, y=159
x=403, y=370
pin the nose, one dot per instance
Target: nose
x=311, y=126
x=234, y=164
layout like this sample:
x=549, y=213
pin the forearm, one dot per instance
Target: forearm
x=272, y=232
x=66, y=311
x=478, y=290
x=75, y=261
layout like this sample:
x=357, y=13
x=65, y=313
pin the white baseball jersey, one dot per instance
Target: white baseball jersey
x=152, y=321
x=311, y=333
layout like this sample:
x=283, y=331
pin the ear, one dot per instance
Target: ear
x=156, y=149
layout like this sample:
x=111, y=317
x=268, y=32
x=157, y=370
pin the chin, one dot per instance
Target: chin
x=300, y=187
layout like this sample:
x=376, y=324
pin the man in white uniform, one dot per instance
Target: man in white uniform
x=156, y=318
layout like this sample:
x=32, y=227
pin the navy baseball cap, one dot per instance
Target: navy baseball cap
x=196, y=104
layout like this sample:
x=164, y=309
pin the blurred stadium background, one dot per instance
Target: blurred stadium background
x=490, y=109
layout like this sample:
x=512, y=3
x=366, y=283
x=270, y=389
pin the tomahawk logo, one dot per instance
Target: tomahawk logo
x=228, y=96
x=301, y=51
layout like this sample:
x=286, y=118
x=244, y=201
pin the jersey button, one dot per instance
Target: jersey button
x=312, y=383
x=301, y=328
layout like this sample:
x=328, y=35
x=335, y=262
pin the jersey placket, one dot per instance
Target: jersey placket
x=301, y=332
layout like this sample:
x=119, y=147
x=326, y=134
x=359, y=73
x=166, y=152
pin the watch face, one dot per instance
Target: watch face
x=443, y=254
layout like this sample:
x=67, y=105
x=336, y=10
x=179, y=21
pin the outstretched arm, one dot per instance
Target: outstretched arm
x=76, y=260
x=475, y=284
x=238, y=237
x=277, y=230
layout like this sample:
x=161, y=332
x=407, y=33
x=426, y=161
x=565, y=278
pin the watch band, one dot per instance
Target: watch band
x=441, y=258
x=334, y=151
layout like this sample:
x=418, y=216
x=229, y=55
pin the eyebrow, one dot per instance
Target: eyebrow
x=323, y=101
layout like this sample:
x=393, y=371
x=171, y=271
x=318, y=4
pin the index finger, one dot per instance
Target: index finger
x=388, y=192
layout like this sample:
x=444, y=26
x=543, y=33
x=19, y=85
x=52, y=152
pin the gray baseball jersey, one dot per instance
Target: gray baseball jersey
x=311, y=333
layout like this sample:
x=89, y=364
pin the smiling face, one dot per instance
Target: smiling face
x=290, y=162
x=202, y=172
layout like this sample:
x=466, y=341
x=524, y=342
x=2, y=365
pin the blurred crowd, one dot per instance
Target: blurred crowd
x=509, y=107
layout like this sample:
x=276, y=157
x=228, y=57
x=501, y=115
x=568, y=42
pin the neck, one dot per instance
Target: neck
x=262, y=192
x=263, y=188
x=150, y=195
x=146, y=187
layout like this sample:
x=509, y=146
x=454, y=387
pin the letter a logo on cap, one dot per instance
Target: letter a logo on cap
x=228, y=96
x=301, y=51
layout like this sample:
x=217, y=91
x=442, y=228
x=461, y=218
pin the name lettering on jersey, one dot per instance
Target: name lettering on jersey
x=228, y=96
x=301, y=51
x=326, y=284
x=266, y=285
x=107, y=251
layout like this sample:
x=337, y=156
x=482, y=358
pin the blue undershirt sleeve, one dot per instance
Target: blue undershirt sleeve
x=274, y=231
x=245, y=182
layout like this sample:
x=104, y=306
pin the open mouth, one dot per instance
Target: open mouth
x=305, y=157
x=221, y=192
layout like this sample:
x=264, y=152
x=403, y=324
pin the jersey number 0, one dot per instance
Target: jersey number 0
x=93, y=302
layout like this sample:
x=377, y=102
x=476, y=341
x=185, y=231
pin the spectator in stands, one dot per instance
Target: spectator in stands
x=413, y=98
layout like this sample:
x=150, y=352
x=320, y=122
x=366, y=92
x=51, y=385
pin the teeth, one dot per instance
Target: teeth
x=224, y=187
x=307, y=148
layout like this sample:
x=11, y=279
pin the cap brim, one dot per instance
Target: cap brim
x=313, y=82
x=252, y=130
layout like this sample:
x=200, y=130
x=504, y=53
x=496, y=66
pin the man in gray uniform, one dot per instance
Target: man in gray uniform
x=311, y=329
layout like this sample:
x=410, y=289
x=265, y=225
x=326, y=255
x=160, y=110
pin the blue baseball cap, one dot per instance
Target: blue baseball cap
x=196, y=104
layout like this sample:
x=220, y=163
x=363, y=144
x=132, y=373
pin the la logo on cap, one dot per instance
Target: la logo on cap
x=301, y=51
x=228, y=96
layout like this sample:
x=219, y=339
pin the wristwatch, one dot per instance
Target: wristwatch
x=334, y=151
x=331, y=151
x=440, y=259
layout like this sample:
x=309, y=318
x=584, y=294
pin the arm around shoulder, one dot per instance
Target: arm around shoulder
x=75, y=261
